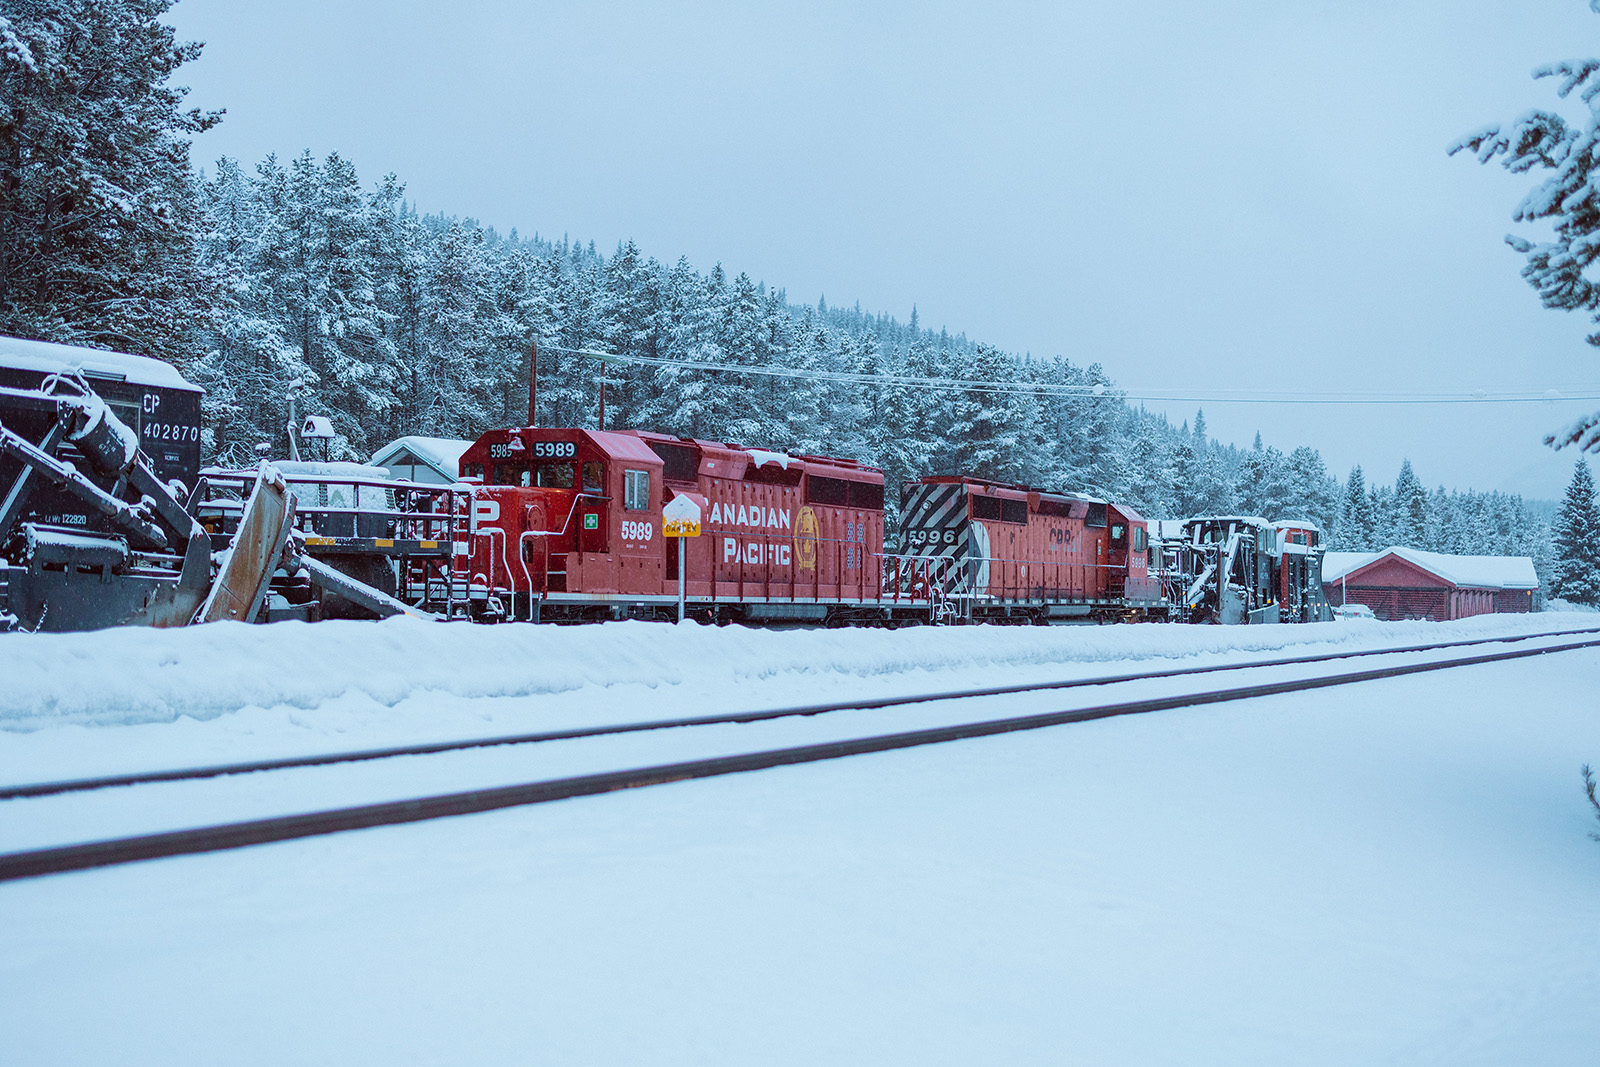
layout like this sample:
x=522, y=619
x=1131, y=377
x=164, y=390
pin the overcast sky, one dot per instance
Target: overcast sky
x=1200, y=196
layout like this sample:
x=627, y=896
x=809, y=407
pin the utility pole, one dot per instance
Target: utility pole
x=533, y=382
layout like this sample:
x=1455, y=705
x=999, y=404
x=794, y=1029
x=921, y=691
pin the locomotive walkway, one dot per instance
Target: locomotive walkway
x=85, y=855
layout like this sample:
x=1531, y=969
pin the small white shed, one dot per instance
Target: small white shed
x=436, y=460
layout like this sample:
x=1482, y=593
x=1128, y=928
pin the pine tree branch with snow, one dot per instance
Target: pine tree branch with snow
x=1588, y=790
x=1568, y=199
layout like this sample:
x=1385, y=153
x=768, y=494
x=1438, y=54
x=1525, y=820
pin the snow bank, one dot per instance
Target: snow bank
x=1396, y=876
x=136, y=675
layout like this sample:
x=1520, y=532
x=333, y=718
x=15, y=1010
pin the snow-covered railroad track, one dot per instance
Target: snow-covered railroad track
x=73, y=785
x=82, y=854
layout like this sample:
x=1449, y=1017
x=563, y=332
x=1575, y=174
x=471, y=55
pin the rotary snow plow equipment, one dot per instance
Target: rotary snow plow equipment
x=1235, y=570
x=91, y=537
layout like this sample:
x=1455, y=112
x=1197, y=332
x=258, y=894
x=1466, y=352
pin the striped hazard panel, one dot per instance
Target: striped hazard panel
x=935, y=521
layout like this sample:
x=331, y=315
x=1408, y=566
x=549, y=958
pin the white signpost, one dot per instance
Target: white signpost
x=681, y=519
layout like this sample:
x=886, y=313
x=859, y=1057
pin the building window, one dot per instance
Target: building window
x=636, y=490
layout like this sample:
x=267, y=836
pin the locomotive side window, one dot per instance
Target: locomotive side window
x=1116, y=531
x=594, y=477
x=636, y=490
x=682, y=462
x=866, y=495
x=827, y=491
x=986, y=507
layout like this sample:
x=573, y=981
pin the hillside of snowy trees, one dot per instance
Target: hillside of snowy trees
x=254, y=278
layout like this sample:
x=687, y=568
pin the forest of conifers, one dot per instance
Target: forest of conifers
x=254, y=278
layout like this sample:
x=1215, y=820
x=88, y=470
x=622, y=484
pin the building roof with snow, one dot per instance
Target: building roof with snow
x=413, y=457
x=1470, y=572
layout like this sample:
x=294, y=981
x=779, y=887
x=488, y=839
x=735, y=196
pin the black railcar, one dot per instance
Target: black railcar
x=149, y=396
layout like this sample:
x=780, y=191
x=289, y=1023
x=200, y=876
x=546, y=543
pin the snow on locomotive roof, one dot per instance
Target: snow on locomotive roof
x=1472, y=572
x=18, y=353
x=763, y=457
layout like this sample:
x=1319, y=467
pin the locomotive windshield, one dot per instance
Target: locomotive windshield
x=555, y=475
x=545, y=475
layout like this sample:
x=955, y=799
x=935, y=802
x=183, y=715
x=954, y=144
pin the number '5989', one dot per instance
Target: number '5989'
x=554, y=449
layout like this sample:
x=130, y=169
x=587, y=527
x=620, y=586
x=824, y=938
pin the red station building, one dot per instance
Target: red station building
x=1407, y=583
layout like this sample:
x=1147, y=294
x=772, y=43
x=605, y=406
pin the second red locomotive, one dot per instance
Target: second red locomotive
x=998, y=552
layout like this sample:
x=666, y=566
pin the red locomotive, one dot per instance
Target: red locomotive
x=567, y=527
x=998, y=552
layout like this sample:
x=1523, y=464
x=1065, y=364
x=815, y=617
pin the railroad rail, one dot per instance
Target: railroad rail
x=38, y=862
x=75, y=785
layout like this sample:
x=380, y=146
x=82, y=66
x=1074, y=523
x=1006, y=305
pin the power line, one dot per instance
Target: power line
x=1018, y=387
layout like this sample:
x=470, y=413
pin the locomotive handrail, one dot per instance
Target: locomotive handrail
x=527, y=575
x=489, y=532
x=565, y=522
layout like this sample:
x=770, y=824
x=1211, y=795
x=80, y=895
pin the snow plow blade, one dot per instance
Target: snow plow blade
x=256, y=551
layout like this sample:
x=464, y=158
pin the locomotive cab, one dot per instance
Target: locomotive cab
x=561, y=509
x=1128, y=557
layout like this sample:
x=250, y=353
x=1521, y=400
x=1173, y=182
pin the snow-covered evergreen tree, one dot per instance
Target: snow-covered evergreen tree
x=1313, y=494
x=986, y=426
x=98, y=213
x=1565, y=200
x=1264, y=483
x=1575, y=573
x=1408, y=521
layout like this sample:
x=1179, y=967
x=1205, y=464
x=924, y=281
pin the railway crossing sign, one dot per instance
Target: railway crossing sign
x=681, y=517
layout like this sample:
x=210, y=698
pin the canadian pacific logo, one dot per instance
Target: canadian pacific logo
x=754, y=550
x=754, y=515
x=805, y=539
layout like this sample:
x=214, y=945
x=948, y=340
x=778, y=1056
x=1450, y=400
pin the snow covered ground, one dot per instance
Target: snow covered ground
x=131, y=699
x=1393, y=873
